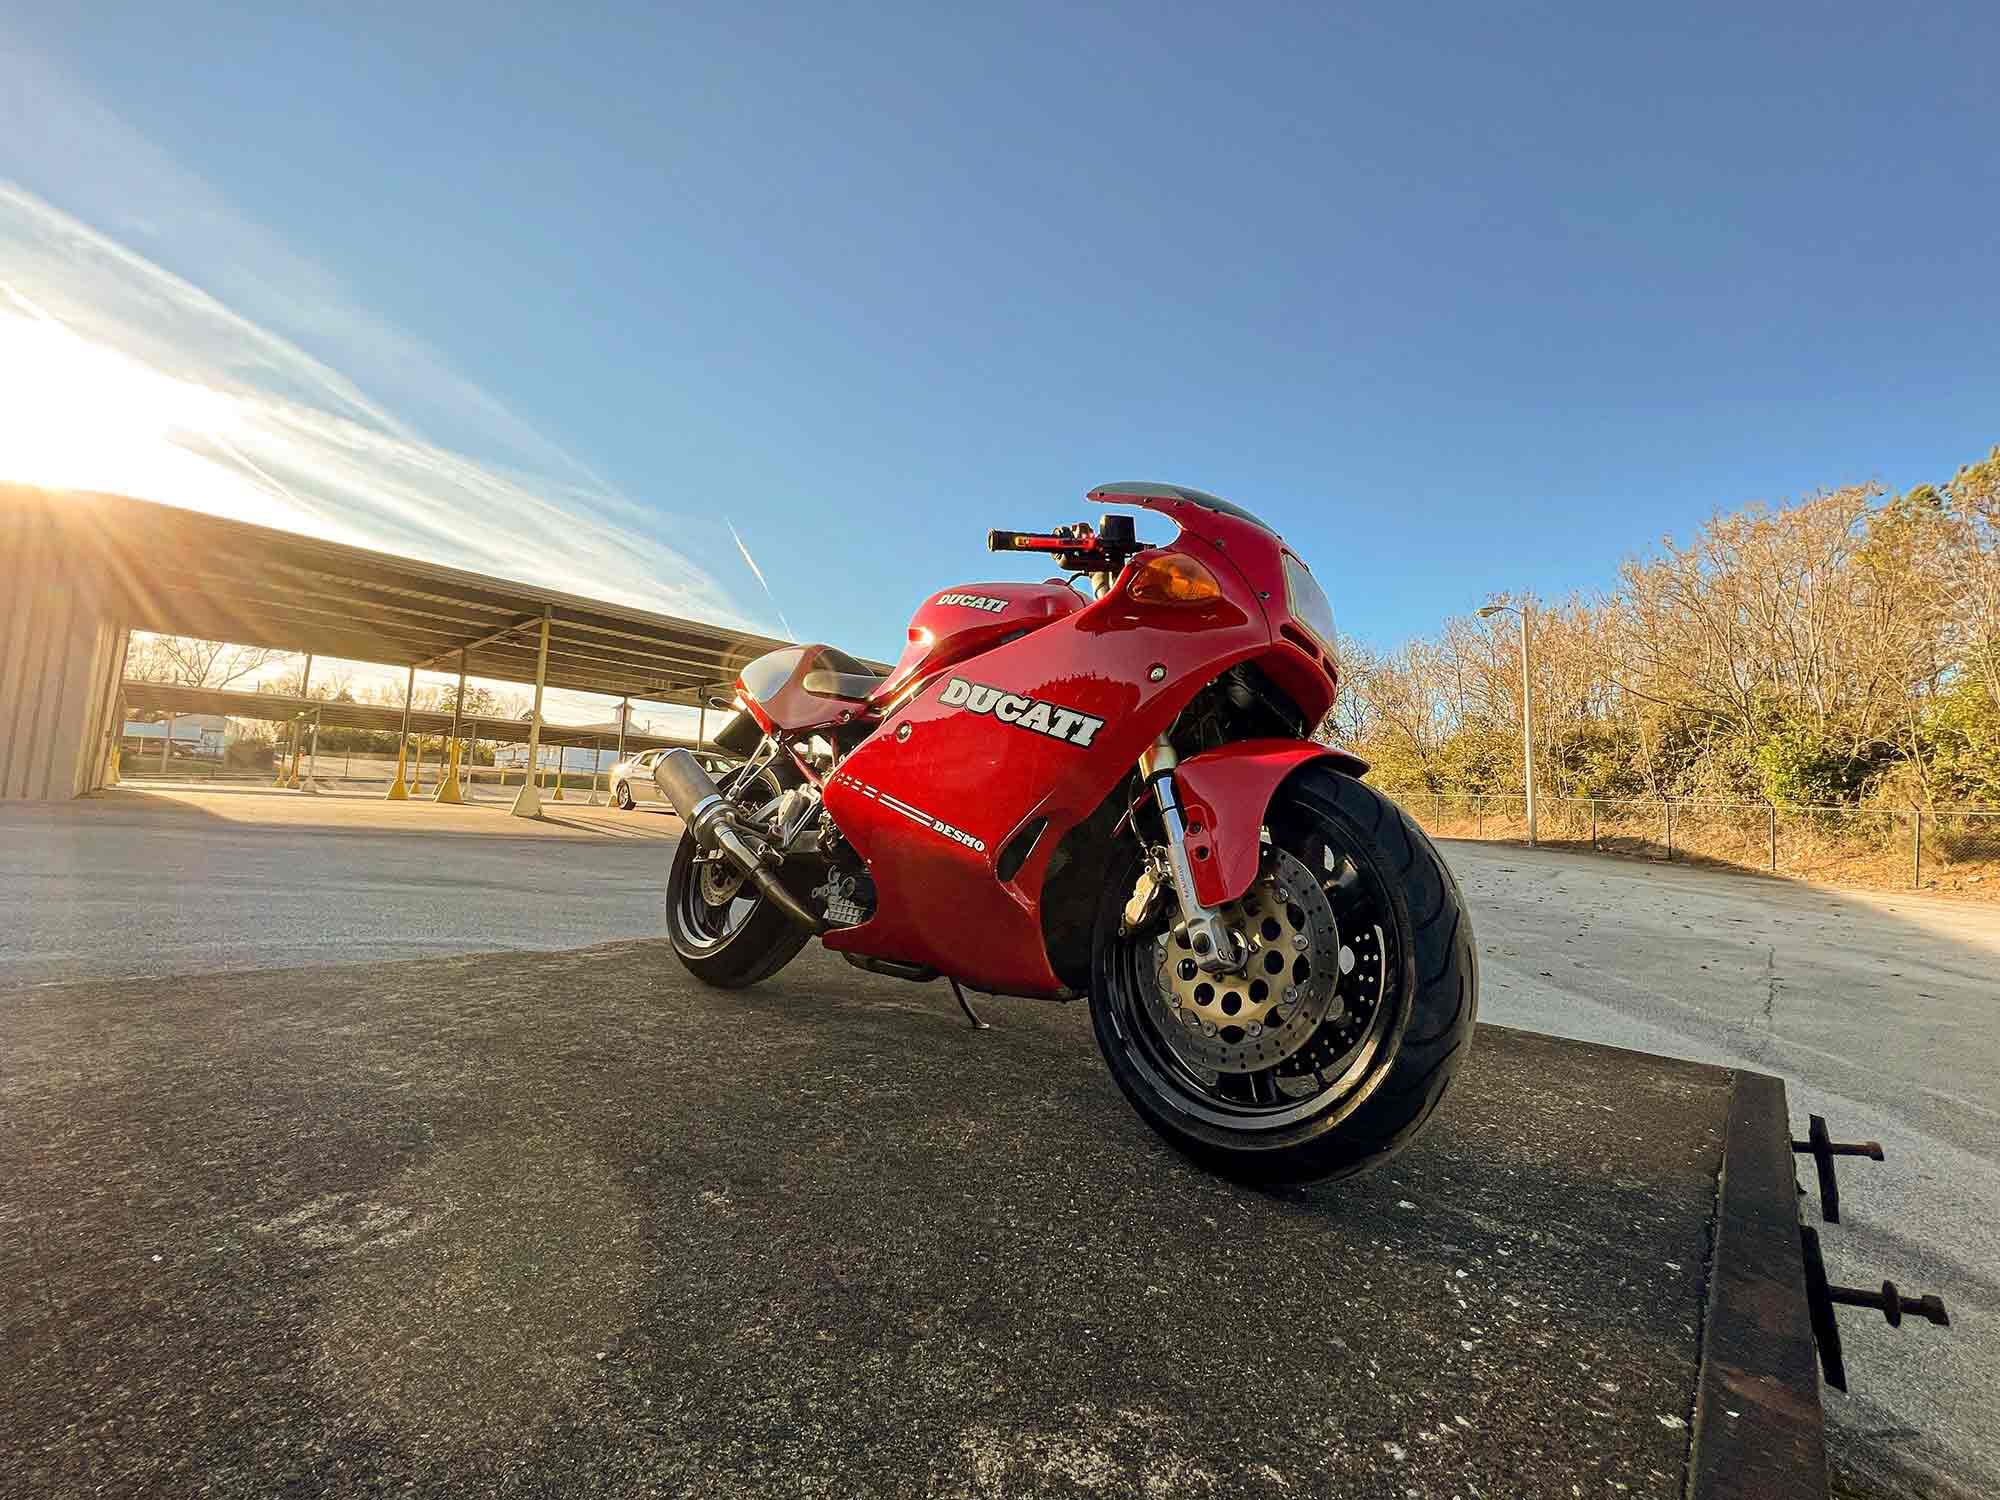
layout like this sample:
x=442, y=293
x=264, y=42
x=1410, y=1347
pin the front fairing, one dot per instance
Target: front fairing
x=989, y=762
x=1215, y=531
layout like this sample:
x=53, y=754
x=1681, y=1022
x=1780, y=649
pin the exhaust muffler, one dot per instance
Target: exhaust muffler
x=706, y=812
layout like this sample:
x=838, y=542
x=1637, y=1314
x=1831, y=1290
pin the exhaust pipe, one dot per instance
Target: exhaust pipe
x=705, y=811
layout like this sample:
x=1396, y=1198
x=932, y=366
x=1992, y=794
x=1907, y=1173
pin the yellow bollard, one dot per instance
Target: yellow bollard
x=448, y=783
x=397, y=791
x=116, y=752
x=558, y=780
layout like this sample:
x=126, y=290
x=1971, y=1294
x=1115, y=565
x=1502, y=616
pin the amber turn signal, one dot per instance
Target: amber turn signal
x=1172, y=578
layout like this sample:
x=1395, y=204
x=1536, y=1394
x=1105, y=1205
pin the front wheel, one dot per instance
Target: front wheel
x=1329, y=1051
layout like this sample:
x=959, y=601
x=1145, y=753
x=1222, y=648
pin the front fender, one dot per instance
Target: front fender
x=1224, y=794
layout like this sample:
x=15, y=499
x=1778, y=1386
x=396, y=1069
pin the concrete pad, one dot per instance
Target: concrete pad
x=568, y=1224
x=269, y=807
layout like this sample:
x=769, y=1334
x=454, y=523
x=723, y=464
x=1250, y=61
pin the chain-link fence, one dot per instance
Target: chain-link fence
x=1953, y=848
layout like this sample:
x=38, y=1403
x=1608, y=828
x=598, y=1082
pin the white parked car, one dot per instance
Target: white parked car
x=632, y=778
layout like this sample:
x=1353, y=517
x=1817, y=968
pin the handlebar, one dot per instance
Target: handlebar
x=1078, y=548
x=1037, y=541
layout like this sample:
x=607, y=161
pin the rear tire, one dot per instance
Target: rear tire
x=624, y=799
x=746, y=939
x=1389, y=1080
x=761, y=941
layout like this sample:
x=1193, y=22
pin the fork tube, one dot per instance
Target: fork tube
x=1214, y=946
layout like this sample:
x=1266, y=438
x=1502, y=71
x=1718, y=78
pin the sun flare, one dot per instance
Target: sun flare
x=75, y=415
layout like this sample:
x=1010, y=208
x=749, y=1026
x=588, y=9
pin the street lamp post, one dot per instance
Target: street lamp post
x=1527, y=706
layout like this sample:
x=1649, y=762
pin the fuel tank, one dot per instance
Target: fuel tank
x=960, y=622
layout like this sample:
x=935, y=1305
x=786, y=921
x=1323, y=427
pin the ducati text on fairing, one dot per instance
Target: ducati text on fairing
x=1051, y=719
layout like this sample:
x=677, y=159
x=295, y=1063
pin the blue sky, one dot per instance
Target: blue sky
x=1464, y=298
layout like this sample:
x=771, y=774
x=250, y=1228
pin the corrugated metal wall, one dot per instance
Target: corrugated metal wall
x=60, y=655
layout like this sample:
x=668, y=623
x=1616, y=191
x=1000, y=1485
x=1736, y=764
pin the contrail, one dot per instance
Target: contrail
x=790, y=634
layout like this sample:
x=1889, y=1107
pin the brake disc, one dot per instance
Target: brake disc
x=720, y=881
x=1256, y=1018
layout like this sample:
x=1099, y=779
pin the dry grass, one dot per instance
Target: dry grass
x=1864, y=848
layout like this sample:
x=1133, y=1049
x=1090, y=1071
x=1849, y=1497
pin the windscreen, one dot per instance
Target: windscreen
x=1308, y=601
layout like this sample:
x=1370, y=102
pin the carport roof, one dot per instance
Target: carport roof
x=334, y=713
x=182, y=572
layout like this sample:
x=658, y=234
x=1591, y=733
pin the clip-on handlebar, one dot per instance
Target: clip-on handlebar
x=1077, y=548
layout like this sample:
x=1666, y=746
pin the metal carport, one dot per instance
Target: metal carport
x=84, y=570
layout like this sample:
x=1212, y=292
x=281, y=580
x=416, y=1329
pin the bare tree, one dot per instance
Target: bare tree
x=189, y=662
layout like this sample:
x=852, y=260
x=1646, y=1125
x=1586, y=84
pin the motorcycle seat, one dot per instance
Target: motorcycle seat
x=840, y=676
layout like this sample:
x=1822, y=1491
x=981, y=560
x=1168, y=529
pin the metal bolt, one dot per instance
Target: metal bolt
x=1299, y=941
x=1156, y=673
x=902, y=733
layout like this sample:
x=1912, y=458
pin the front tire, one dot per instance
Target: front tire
x=1371, y=1076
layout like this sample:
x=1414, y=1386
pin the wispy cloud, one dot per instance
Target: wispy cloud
x=118, y=371
x=737, y=537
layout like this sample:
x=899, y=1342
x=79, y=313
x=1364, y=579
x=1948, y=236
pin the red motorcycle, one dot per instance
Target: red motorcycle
x=1118, y=796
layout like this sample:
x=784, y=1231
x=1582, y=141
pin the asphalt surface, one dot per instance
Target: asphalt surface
x=1878, y=1011
x=568, y=1224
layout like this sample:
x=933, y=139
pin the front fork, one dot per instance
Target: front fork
x=1215, y=947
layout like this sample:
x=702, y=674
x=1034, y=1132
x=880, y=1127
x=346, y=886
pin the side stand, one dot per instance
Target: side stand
x=966, y=1006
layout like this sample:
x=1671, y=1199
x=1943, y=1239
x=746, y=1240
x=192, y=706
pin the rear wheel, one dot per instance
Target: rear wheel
x=625, y=803
x=723, y=929
x=1330, y=1049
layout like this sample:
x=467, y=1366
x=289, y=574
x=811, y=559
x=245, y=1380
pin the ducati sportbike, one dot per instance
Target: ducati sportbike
x=1106, y=786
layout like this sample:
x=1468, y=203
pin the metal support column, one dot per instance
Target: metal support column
x=1528, y=720
x=298, y=722
x=529, y=803
x=448, y=783
x=398, y=792
x=115, y=752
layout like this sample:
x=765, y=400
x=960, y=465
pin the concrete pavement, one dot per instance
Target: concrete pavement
x=148, y=884
x=1879, y=1011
